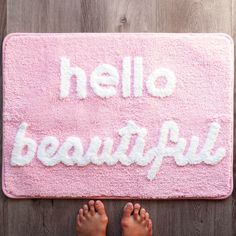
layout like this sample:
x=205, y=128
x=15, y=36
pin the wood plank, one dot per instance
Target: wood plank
x=57, y=217
x=41, y=217
x=195, y=16
x=118, y=16
x=195, y=217
x=43, y=16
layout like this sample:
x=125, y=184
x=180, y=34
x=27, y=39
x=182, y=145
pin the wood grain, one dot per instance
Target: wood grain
x=170, y=218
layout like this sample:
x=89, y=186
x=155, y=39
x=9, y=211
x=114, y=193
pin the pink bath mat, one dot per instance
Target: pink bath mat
x=118, y=115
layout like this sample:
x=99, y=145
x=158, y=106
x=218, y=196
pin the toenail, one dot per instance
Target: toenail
x=129, y=204
x=98, y=202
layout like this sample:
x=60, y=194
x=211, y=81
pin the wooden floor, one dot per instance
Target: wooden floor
x=57, y=217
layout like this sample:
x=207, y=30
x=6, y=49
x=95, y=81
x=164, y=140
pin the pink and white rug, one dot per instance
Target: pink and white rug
x=118, y=115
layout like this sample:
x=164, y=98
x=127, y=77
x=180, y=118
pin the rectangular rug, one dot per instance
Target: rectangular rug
x=139, y=115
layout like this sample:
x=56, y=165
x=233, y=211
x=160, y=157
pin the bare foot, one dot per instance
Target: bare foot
x=92, y=220
x=135, y=221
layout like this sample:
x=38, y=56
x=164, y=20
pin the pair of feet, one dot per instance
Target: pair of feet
x=92, y=220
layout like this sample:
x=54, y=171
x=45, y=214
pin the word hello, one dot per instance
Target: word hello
x=105, y=78
x=71, y=152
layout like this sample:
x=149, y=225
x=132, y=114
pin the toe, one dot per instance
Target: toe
x=77, y=219
x=78, y=225
x=128, y=209
x=91, y=207
x=85, y=209
x=150, y=226
x=147, y=216
x=81, y=215
x=146, y=219
x=99, y=206
x=136, y=211
x=142, y=214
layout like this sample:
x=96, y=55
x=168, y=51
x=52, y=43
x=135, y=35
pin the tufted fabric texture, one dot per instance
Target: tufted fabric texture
x=34, y=96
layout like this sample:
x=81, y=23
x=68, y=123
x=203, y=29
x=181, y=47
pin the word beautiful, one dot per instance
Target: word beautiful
x=105, y=78
x=71, y=152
